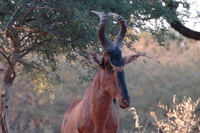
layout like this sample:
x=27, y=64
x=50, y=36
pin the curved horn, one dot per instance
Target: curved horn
x=123, y=29
x=106, y=43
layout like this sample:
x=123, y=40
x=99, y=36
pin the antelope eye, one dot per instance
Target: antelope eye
x=109, y=67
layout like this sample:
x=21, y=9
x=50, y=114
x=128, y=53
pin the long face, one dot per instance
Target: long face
x=113, y=77
x=112, y=65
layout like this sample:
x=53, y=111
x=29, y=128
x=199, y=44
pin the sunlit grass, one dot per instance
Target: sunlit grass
x=180, y=118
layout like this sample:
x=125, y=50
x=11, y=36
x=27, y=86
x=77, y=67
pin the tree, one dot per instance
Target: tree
x=161, y=11
x=35, y=33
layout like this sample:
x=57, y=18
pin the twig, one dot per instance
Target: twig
x=25, y=42
x=3, y=49
x=12, y=17
x=7, y=58
x=40, y=68
x=28, y=35
x=89, y=6
x=152, y=58
x=145, y=55
x=28, y=50
x=30, y=30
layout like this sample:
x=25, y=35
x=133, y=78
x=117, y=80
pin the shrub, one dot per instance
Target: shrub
x=180, y=117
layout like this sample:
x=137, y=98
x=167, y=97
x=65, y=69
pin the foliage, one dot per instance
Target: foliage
x=181, y=117
x=35, y=34
x=47, y=29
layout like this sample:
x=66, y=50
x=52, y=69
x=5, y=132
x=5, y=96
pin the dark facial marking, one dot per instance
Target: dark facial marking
x=117, y=60
x=116, y=57
x=122, y=85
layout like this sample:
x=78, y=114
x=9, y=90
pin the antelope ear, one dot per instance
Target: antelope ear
x=95, y=58
x=130, y=58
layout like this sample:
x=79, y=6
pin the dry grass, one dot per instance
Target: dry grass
x=180, y=118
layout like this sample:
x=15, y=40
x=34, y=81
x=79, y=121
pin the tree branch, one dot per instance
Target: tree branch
x=28, y=35
x=3, y=49
x=28, y=50
x=178, y=26
x=40, y=68
x=22, y=45
x=7, y=58
x=30, y=30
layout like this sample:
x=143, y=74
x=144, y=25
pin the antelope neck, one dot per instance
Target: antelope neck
x=99, y=92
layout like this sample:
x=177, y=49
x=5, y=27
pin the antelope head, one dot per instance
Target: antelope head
x=112, y=78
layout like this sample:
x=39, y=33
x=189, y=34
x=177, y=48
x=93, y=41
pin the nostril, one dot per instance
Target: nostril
x=126, y=102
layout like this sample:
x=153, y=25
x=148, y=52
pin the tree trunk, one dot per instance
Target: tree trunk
x=6, y=100
x=9, y=76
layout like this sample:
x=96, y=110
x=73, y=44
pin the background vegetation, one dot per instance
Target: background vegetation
x=40, y=37
x=149, y=84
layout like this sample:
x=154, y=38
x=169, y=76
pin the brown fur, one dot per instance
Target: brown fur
x=95, y=113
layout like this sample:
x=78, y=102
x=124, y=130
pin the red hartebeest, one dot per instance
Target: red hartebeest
x=95, y=112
